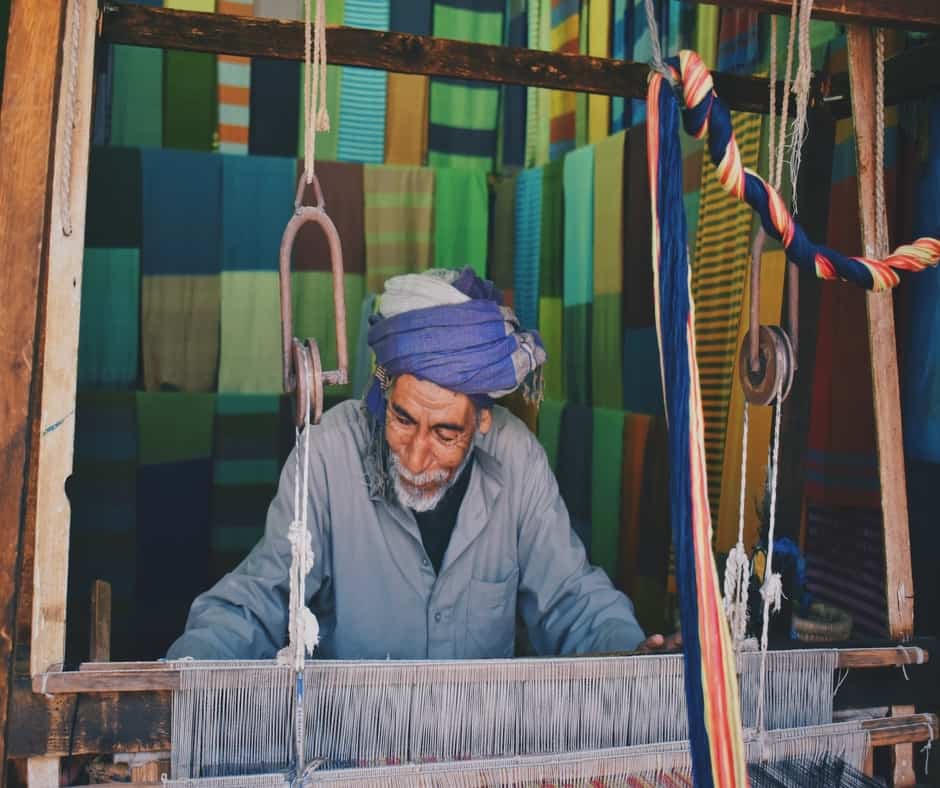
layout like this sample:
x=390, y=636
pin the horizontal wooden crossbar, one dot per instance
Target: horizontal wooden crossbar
x=906, y=14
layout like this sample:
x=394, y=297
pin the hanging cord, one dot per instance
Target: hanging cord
x=776, y=173
x=881, y=212
x=316, y=116
x=801, y=86
x=71, y=99
x=737, y=565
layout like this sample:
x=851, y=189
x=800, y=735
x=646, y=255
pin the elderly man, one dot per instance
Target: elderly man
x=434, y=513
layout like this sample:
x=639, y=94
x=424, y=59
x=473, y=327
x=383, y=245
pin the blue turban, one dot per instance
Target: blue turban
x=451, y=328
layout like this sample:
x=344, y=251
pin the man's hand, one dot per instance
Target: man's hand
x=659, y=643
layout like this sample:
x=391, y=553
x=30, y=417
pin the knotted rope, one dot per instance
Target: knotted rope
x=705, y=112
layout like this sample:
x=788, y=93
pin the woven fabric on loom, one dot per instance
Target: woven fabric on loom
x=180, y=264
x=461, y=219
x=174, y=478
x=362, y=100
x=607, y=317
x=527, y=248
x=246, y=464
x=501, y=270
x=102, y=493
x=722, y=254
x=921, y=358
x=566, y=28
x=190, y=104
x=108, y=332
x=578, y=271
x=538, y=100
x=258, y=198
x=773, y=274
x=137, y=97
x=464, y=115
x=399, y=204
x=606, y=487
x=234, y=80
x=551, y=279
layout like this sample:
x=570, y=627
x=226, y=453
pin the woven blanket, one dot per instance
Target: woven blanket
x=461, y=219
x=137, y=97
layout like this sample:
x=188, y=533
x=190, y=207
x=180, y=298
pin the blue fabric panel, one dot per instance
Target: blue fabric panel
x=182, y=217
x=527, y=246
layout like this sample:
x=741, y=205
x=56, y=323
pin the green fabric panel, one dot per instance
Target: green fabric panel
x=606, y=482
x=504, y=225
x=550, y=428
x=246, y=404
x=607, y=351
x=451, y=106
x=577, y=349
x=137, y=97
x=551, y=323
x=461, y=219
x=579, y=226
x=466, y=25
x=313, y=316
x=245, y=471
x=110, y=318
x=581, y=99
x=190, y=105
x=174, y=426
x=250, y=348
x=608, y=215
x=327, y=143
x=551, y=265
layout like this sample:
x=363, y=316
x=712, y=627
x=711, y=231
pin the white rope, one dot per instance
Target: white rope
x=929, y=745
x=772, y=123
x=801, y=85
x=737, y=567
x=71, y=98
x=777, y=174
x=316, y=115
x=881, y=214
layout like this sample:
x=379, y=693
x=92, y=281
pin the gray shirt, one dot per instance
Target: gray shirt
x=372, y=586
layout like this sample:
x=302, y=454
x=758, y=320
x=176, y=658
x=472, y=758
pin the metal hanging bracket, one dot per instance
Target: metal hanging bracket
x=309, y=387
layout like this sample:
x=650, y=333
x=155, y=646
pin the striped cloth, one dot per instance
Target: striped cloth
x=722, y=257
x=362, y=100
x=258, y=198
x=515, y=97
x=461, y=219
x=606, y=316
x=102, y=495
x=527, y=250
x=538, y=100
x=578, y=271
x=566, y=28
x=606, y=488
x=180, y=263
x=464, y=115
x=773, y=274
x=137, y=97
x=502, y=239
x=599, y=28
x=246, y=464
x=234, y=80
x=399, y=205
x=174, y=477
x=108, y=326
x=551, y=279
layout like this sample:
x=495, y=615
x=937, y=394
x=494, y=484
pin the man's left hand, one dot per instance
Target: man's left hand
x=659, y=643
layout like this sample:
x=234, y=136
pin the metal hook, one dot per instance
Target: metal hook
x=310, y=388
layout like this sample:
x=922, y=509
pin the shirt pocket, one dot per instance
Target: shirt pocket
x=491, y=617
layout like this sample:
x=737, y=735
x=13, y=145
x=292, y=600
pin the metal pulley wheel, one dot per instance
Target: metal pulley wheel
x=775, y=368
x=303, y=373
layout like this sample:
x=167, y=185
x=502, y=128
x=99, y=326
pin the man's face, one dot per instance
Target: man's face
x=429, y=431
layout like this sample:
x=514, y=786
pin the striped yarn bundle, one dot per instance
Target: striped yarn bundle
x=705, y=112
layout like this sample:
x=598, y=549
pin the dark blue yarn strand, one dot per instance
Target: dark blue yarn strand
x=801, y=249
x=674, y=314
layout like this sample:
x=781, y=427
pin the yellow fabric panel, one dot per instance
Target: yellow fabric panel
x=406, y=120
x=608, y=215
x=598, y=46
x=772, y=274
x=706, y=34
x=206, y=6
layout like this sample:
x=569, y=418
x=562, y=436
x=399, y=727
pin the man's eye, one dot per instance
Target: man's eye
x=447, y=437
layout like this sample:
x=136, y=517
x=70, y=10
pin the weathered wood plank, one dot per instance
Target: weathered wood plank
x=100, y=625
x=906, y=14
x=27, y=128
x=400, y=52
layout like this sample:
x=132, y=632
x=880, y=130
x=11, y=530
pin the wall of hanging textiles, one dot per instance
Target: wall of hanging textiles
x=181, y=425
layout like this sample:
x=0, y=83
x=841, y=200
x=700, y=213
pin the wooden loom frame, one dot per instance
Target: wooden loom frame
x=42, y=286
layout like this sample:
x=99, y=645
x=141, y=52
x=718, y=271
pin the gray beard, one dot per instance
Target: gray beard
x=418, y=502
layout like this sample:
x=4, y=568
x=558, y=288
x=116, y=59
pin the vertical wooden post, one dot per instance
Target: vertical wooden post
x=27, y=126
x=99, y=637
x=899, y=584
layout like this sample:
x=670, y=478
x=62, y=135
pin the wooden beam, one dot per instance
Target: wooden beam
x=906, y=14
x=899, y=584
x=99, y=631
x=27, y=131
x=129, y=23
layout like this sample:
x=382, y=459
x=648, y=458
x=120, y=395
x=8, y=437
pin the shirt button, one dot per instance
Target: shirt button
x=437, y=616
x=425, y=562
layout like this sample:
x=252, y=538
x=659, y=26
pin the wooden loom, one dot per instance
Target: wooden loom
x=126, y=709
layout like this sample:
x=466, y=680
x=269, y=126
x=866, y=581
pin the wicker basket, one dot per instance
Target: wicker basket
x=825, y=624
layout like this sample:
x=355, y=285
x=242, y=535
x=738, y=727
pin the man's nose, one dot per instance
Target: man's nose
x=417, y=455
